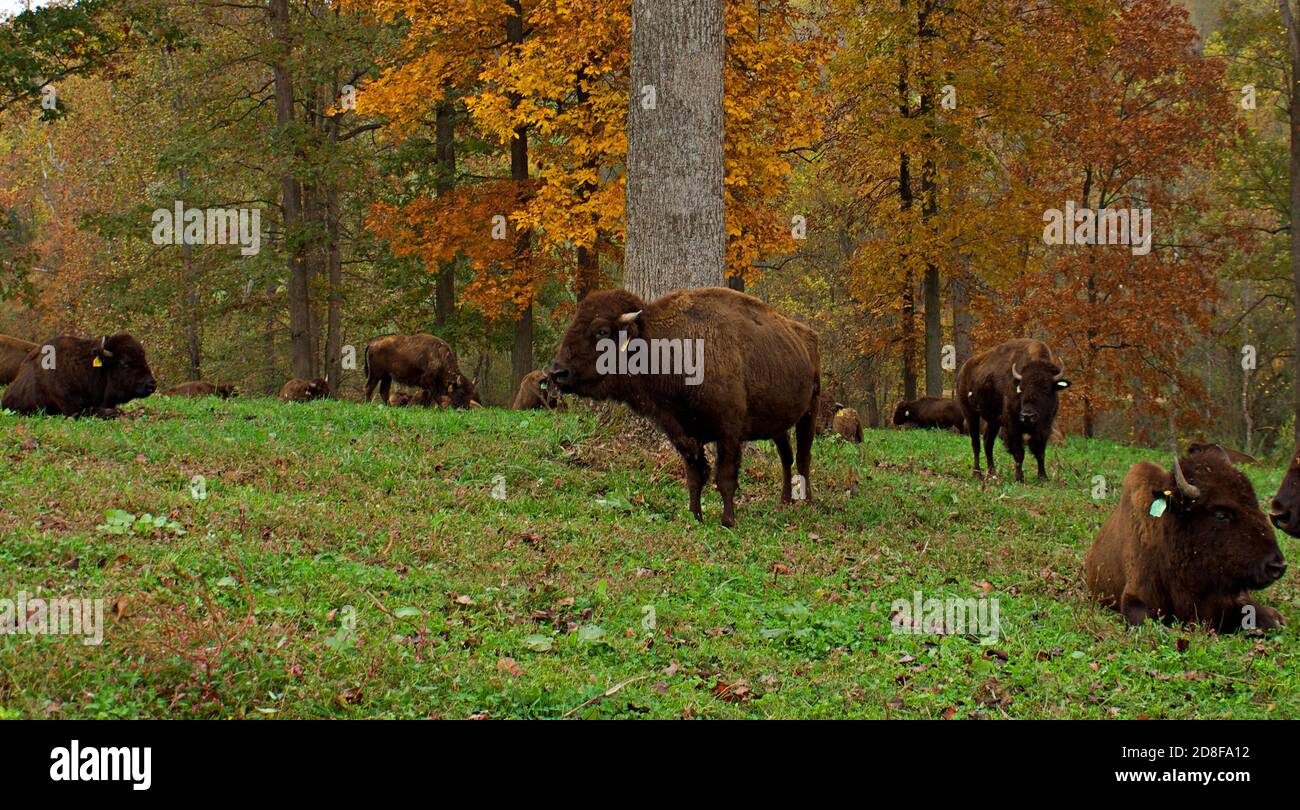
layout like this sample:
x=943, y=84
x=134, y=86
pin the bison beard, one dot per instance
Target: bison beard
x=1186, y=545
x=12, y=353
x=761, y=376
x=1012, y=386
x=420, y=361
x=87, y=377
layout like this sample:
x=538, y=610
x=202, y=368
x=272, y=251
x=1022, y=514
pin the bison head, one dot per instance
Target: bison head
x=126, y=371
x=226, y=391
x=1284, y=511
x=902, y=414
x=461, y=393
x=600, y=317
x=1037, y=385
x=1218, y=520
x=318, y=388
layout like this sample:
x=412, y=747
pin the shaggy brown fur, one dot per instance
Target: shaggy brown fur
x=12, y=353
x=1194, y=563
x=300, y=390
x=420, y=361
x=848, y=425
x=89, y=376
x=761, y=375
x=988, y=389
x=201, y=388
x=537, y=392
x=931, y=412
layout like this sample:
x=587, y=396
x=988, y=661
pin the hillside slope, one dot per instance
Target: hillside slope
x=351, y=561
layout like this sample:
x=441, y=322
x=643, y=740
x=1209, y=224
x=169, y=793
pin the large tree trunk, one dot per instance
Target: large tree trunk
x=300, y=329
x=521, y=353
x=333, y=261
x=676, y=235
x=959, y=294
x=444, y=293
x=1293, y=107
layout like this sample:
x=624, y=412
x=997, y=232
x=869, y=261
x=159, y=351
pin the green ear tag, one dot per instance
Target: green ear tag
x=1158, y=507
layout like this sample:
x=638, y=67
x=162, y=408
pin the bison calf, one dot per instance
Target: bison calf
x=12, y=353
x=300, y=390
x=847, y=424
x=537, y=392
x=1012, y=386
x=931, y=412
x=1186, y=544
x=72, y=376
x=752, y=374
x=426, y=362
x=201, y=388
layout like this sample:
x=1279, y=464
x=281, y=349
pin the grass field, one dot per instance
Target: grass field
x=351, y=561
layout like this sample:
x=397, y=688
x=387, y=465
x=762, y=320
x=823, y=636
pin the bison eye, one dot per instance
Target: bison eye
x=602, y=333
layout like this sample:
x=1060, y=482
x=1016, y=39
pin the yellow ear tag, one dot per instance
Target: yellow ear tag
x=97, y=363
x=451, y=388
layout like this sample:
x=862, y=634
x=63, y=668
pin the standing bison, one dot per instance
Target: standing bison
x=300, y=390
x=1187, y=545
x=756, y=374
x=1012, y=386
x=421, y=361
x=70, y=376
x=12, y=353
x=536, y=392
x=930, y=412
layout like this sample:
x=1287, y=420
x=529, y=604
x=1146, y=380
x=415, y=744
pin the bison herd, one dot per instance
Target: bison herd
x=1185, y=544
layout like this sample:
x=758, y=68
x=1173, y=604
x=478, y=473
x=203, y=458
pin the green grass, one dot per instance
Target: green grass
x=332, y=514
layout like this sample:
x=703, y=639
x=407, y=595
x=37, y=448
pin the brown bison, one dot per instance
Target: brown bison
x=421, y=361
x=201, y=388
x=537, y=392
x=848, y=425
x=12, y=353
x=706, y=365
x=1187, y=545
x=1284, y=510
x=931, y=412
x=1012, y=386
x=72, y=376
x=404, y=399
x=300, y=390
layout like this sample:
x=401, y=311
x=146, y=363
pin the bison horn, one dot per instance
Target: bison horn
x=1184, y=487
x=1015, y=373
x=1060, y=366
x=628, y=317
x=102, y=350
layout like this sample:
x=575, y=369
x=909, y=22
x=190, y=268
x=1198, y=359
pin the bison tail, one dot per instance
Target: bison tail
x=365, y=362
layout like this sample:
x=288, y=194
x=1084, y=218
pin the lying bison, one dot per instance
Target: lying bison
x=70, y=376
x=931, y=412
x=201, y=388
x=1012, y=386
x=12, y=353
x=300, y=390
x=421, y=361
x=706, y=365
x=537, y=393
x=1187, y=545
x=847, y=424
x=1284, y=510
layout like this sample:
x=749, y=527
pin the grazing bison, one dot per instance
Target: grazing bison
x=847, y=424
x=300, y=390
x=72, y=376
x=1187, y=545
x=537, y=392
x=12, y=353
x=1012, y=386
x=201, y=388
x=403, y=399
x=1284, y=510
x=748, y=373
x=931, y=412
x=421, y=361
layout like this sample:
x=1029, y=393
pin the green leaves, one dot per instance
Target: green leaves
x=117, y=521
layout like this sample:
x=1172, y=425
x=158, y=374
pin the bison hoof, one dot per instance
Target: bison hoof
x=729, y=522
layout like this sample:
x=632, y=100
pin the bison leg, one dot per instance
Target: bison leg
x=803, y=437
x=990, y=437
x=782, y=442
x=728, y=472
x=371, y=380
x=974, y=424
x=385, y=384
x=697, y=470
x=1037, y=446
x=1016, y=447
